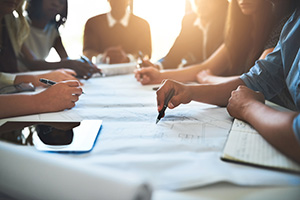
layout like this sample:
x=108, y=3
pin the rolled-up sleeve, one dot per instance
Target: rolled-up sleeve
x=7, y=79
x=296, y=127
x=266, y=75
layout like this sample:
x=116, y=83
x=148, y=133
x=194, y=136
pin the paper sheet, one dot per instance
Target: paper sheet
x=117, y=69
x=183, y=150
x=245, y=144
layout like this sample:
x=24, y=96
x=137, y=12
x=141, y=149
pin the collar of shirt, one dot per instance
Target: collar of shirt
x=112, y=21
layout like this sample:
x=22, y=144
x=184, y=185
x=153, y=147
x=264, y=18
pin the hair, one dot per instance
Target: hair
x=17, y=27
x=35, y=11
x=244, y=38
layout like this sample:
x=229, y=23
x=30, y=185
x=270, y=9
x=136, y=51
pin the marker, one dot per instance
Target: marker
x=155, y=88
x=49, y=82
x=86, y=60
x=162, y=111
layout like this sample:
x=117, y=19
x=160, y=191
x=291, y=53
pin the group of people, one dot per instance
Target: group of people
x=240, y=52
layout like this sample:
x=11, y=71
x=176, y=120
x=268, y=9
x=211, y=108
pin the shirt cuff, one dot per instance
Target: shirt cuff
x=7, y=79
x=296, y=127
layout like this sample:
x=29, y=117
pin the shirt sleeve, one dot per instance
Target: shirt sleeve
x=7, y=79
x=296, y=127
x=275, y=33
x=266, y=75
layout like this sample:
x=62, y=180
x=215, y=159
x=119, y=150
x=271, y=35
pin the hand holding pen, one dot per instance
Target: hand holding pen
x=60, y=96
x=171, y=94
x=50, y=83
x=166, y=102
x=87, y=60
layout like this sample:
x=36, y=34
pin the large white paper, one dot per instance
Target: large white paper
x=183, y=150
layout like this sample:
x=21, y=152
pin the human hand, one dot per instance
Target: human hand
x=241, y=100
x=115, y=55
x=60, y=96
x=182, y=94
x=148, y=63
x=83, y=70
x=148, y=75
x=57, y=76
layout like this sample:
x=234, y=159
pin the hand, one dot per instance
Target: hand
x=241, y=100
x=83, y=70
x=148, y=63
x=60, y=96
x=182, y=94
x=115, y=55
x=57, y=76
x=148, y=75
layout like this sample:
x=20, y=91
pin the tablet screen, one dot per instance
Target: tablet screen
x=53, y=136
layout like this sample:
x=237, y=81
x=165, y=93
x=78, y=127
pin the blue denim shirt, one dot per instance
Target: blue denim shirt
x=280, y=70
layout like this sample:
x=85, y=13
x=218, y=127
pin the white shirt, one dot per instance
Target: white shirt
x=112, y=21
x=7, y=79
x=40, y=41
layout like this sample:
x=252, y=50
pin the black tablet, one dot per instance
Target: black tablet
x=53, y=136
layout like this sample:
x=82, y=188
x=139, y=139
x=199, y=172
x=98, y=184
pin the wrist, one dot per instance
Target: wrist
x=41, y=104
x=249, y=109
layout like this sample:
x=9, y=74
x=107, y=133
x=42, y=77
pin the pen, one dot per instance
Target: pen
x=49, y=82
x=162, y=111
x=86, y=60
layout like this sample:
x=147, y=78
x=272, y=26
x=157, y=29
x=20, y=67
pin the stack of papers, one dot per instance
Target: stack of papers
x=117, y=69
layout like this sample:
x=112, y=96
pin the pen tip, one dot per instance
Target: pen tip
x=157, y=120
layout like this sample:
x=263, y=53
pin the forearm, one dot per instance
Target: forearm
x=187, y=74
x=275, y=126
x=27, y=79
x=16, y=105
x=42, y=65
x=216, y=94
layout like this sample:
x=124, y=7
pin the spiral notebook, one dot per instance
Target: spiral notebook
x=246, y=146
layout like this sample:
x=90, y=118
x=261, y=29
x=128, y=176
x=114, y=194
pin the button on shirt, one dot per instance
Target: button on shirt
x=280, y=69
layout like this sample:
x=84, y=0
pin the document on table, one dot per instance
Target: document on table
x=117, y=69
x=68, y=178
x=246, y=145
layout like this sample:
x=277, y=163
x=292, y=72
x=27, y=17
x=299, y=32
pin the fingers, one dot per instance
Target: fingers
x=162, y=93
x=74, y=98
x=69, y=72
x=71, y=83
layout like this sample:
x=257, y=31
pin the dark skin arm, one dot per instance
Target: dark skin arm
x=83, y=70
x=217, y=94
x=60, y=49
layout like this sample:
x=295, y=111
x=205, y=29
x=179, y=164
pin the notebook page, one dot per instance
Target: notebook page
x=246, y=145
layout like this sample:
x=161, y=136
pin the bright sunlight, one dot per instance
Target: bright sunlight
x=164, y=17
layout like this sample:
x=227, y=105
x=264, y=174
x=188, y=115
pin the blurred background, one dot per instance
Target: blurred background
x=158, y=13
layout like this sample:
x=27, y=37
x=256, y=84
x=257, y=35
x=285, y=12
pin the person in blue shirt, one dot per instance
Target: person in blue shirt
x=244, y=96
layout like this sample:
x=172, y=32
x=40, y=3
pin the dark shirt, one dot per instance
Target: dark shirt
x=8, y=59
x=133, y=38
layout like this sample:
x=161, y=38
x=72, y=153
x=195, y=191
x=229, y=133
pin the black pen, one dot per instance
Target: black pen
x=86, y=60
x=49, y=82
x=167, y=99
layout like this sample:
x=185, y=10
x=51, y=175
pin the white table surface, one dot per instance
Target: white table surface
x=178, y=158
